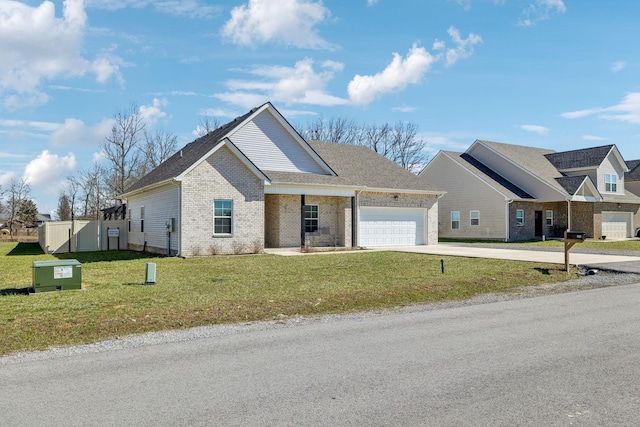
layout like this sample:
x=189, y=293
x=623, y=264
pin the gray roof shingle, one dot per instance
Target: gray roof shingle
x=634, y=170
x=584, y=158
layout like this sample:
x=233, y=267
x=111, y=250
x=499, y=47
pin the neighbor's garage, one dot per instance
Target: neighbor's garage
x=391, y=226
x=617, y=225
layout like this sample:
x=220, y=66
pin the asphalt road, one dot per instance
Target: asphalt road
x=564, y=359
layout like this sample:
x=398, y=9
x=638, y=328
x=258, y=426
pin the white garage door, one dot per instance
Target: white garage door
x=391, y=226
x=616, y=225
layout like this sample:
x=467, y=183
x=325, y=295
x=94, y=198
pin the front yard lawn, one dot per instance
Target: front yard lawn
x=227, y=289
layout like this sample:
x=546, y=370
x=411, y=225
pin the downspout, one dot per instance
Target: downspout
x=508, y=219
x=569, y=214
x=179, y=219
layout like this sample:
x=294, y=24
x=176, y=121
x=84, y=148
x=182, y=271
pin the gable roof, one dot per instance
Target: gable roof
x=530, y=159
x=188, y=155
x=356, y=166
x=578, y=159
x=346, y=165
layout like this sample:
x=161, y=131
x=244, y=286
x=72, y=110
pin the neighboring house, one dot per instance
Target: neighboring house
x=42, y=218
x=255, y=182
x=511, y=192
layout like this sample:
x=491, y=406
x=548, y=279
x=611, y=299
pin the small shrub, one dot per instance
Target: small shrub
x=256, y=247
x=196, y=251
x=214, y=249
x=238, y=248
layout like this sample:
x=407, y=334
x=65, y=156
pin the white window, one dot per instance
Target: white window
x=455, y=220
x=222, y=216
x=519, y=217
x=311, y=218
x=142, y=219
x=475, y=217
x=549, y=218
x=610, y=182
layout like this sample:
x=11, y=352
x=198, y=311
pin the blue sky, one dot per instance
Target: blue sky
x=560, y=74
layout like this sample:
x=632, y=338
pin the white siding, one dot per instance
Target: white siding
x=270, y=147
x=159, y=205
x=609, y=166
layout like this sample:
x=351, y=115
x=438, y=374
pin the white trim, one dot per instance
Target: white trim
x=451, y=220
x=214, y=218
x=312, y=219
x=471, y=217
x=290, y=129
x=546, y=217
x=523, y=218
x=239, y=154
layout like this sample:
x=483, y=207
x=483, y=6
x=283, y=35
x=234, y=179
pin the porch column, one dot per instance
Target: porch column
x=568, y=214
x=302, y=232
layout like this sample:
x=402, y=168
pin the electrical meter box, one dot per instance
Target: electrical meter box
x=58, y=275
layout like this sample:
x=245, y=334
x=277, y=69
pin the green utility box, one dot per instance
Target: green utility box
x=56, y=275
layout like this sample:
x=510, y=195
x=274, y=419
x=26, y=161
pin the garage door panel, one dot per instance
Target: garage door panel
x=391, y=226
x=616, y=225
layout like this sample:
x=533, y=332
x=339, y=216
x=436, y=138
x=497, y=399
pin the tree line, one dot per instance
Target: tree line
x=131, y=151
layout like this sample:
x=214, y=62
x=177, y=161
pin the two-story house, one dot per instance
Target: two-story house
x=512, y=192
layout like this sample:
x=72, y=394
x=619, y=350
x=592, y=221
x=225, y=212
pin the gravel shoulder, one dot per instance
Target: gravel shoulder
x=599, y=280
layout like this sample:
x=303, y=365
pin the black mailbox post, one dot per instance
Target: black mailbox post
x=570, y=239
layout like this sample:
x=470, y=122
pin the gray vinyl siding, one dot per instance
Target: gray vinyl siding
x=529, y=183
x=160, y=205
x=466, y=192
x=270, y=147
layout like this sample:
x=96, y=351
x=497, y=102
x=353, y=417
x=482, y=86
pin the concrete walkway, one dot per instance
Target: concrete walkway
x=626, y=264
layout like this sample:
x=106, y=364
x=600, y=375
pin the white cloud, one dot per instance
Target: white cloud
x=300, y=84
x=6, y=177
x=541, y=10
x=288, y=22
x=404, y=109
x=371, y=2
x=463, y=47
x=44, y=126
x=627, y=110
x=465, y=4
x=186, y=8
x=75, y=133
x=593, y=138
x=49, y=171
x=400, y=73
x=152, y=113
x=536, y=129
x=37, y=46
x=618, y=66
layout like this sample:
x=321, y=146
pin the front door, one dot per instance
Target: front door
x=538, y=224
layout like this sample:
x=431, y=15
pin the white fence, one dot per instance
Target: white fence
x=82, y=236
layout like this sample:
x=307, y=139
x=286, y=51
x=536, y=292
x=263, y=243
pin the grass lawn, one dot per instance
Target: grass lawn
x=225, y=289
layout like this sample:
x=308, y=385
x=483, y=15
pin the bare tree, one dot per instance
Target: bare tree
x=399, y=143
x=207, y=124
x=63, y=212
x=18, y=191
x=157, y=147
x=408, y=150
x=121, y=149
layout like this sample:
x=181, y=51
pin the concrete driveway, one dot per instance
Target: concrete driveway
x=621, y=263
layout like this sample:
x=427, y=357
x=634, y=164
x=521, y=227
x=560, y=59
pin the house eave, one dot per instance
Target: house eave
x=148, y=188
